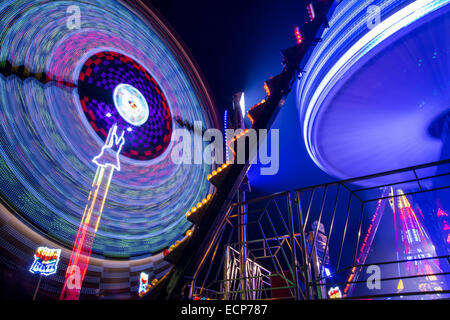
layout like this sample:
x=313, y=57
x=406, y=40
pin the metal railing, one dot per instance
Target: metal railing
x=381, y=236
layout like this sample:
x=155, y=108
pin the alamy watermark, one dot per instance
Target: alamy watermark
x=74, y=19
x=374, y=280
x=246, y=146
x=373, y=16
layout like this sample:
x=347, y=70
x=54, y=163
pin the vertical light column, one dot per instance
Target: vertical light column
x=107, y=161
x=418, y=246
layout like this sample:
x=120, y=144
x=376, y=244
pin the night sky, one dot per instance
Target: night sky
x=237, y=46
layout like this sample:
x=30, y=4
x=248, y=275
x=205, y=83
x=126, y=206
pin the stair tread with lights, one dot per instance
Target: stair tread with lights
x=174, y=254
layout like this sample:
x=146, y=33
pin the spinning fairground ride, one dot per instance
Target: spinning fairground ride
x=90, y=96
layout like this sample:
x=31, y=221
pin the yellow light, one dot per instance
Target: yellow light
x=188, y=214
x=189, y=233
x=177, y=242
x=219, y=169
x=400, y=285
x=209, y=177
x=171, y=247
x=209, y=196
x=199, y=205
x=214, y=172
x=204, y=201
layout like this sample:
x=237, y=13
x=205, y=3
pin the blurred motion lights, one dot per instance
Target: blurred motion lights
x=347, y=119
x=51, y=130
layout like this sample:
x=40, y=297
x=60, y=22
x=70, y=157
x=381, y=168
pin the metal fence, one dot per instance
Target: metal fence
x=383, y=236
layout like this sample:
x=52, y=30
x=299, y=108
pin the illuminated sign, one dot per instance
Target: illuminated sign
x=143, y=283
x=334, y=293
x=45, y=261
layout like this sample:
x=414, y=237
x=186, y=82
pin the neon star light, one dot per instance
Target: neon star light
x=107, y=161
x=102, y=159
x=45, y=261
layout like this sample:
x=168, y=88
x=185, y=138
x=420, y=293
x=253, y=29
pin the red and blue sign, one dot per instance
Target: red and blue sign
x=45, y=261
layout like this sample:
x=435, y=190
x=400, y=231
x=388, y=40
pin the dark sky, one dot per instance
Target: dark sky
x=229, y=38
x=237, y=46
